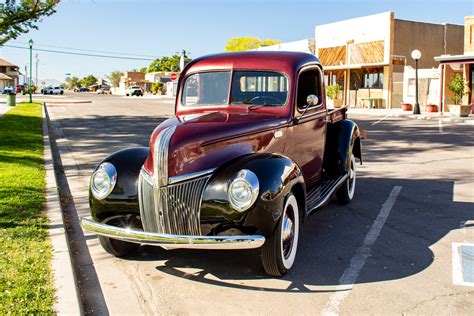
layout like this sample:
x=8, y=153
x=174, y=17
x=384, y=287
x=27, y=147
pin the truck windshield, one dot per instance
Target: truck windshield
x=248, y=88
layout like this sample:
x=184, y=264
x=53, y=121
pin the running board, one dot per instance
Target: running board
x=321, y=193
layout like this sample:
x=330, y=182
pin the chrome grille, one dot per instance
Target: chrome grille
x=172, y=209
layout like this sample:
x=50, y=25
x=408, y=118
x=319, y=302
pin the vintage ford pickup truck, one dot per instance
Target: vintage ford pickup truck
x=251, y=152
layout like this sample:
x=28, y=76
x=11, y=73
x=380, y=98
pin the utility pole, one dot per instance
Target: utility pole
x=37, y=61
x=30, y=42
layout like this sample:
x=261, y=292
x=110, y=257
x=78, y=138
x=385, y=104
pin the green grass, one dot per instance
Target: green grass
x=25, y=251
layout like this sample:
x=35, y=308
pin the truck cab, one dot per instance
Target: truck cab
x=251, y=152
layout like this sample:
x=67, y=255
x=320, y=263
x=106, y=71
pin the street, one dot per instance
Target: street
x=390, y=251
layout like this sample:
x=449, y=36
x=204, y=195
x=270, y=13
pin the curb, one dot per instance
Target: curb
x=67, y=102
x=434, y=118
x=447, y=118
x=67, y=299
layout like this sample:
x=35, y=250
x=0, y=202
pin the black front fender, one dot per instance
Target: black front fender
x=277, y=176
x=124, y=197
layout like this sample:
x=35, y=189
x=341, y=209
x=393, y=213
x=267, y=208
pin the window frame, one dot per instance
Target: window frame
x=182, y=88
x=256, y=86
x=322, y=98
x=231, y=71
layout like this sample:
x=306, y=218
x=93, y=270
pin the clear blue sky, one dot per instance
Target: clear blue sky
x=159, y=28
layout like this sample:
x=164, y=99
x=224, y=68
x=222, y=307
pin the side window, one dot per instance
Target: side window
x=309, y=82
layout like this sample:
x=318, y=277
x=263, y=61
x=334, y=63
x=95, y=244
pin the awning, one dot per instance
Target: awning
x=4, y=77
x=355, y=66
x=460, y=59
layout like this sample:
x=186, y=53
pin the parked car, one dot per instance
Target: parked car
x=9, y=90
x=81, y=89
x=20, y=88
x=103, y=91
x=134, y=90
x=251, y=152
x=53, y=90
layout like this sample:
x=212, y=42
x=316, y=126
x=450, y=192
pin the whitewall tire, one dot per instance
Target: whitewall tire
x=279, y=250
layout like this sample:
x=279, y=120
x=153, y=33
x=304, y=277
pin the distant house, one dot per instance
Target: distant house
x=101, y=84
x=9, y=74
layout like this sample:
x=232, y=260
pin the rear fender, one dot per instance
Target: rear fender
x=343, y=140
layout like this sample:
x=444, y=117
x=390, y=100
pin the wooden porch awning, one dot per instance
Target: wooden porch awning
x=4, y=77
x=363, y=54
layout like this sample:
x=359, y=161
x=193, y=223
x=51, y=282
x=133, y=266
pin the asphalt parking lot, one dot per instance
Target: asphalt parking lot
x=391, y=251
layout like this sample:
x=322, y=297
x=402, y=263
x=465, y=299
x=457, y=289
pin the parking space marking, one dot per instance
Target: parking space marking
x=463, y=263
x=440, y=126
x=350, y=275
x=383, y=118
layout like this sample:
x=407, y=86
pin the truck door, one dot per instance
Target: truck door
x=308, y=133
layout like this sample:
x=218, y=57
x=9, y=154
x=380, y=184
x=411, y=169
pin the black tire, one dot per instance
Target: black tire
x=279, y=252
x=345, y=193
x=126, y=94
x=115, y=247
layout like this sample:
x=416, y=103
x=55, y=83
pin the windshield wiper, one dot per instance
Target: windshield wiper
x=258, y=106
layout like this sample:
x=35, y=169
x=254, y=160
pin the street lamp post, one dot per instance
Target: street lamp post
x=416, y=54
x=30, y=42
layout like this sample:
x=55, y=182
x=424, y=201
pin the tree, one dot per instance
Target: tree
x=143, y=70
x=167, y=63
x=238, y=44
x=18, y=17
x=88, y=81
x=73, y=83
x=115, y=77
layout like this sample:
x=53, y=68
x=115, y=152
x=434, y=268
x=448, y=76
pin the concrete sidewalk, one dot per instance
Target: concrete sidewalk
x=4, y=108
x=445, y=117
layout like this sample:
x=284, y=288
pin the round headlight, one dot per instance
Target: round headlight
x=103, y=180
x=243, y=190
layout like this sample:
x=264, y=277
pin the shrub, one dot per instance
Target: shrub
x=157, y=87
x=458, y=87
x=332, y=91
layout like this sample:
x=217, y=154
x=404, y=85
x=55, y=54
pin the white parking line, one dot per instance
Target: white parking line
x=346, y=282
x=383, y=118
x=440, y=126
x=458, y=274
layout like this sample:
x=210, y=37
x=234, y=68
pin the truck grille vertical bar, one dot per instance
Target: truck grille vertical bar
x=174, y=209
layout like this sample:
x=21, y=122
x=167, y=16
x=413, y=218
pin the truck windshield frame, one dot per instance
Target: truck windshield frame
x=247, y=88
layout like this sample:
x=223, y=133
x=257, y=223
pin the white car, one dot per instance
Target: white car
x=53, y=90
x=103, y=91
x=134, y=90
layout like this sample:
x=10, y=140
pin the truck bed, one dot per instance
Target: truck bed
x=336, y=115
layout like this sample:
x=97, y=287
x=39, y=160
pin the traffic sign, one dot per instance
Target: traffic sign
x=174, y=76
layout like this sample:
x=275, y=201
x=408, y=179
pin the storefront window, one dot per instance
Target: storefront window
x=433, y=87
x=411, y=87
x=373, y=80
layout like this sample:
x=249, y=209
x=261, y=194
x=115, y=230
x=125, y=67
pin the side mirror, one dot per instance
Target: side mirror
x=312, y=100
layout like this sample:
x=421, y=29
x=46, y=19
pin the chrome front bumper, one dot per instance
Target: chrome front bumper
x=173, y=241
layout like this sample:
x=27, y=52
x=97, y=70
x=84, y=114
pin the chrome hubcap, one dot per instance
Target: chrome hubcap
x=288, y=232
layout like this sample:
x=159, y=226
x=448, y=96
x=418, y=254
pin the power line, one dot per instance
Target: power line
x=88, y=50
x=80, y=54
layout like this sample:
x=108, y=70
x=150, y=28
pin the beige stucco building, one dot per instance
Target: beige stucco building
x=367, y=56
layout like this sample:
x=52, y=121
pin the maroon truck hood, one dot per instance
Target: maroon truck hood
x=208, y=140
